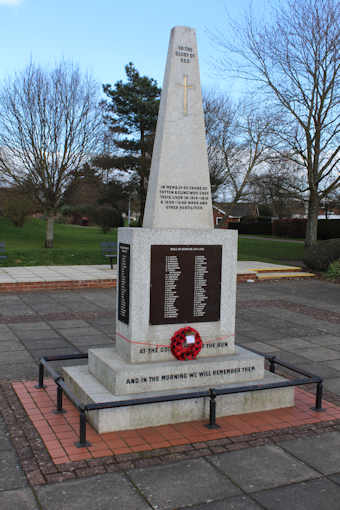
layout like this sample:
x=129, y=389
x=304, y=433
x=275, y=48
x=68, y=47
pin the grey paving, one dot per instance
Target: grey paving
x=20, y=499
x=263, y=467
x=10, y=345
x=318, y=353
x=180, y=484
x=320, y=452
x=11, y=475
x=105, y=492
x=319, y=494
x=5, y=443
x=296, y=474
x=236, y=503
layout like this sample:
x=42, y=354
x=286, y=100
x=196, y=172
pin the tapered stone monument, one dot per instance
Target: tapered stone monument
x=175, y=320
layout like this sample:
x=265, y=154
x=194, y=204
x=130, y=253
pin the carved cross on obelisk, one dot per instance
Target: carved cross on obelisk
x=185, y=93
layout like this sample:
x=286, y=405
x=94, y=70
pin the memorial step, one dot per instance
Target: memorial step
x=271, y=275
x=89, y=390
x=123, y=378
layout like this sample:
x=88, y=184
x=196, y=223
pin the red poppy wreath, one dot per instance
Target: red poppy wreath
x=186, y=343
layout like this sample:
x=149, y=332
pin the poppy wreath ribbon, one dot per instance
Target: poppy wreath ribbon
x=181, y=349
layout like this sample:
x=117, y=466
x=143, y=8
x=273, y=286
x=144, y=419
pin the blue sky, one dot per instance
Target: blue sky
x=102, y=36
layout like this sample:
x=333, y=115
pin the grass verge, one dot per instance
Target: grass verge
x=76, y=245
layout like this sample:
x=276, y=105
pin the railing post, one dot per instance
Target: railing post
x=59, y=409
x=40, y=384
x=212, y=411
x=318, y=397
x=82, y=430
x=272, y=364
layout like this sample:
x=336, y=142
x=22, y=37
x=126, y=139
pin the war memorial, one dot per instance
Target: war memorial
x=175, y=317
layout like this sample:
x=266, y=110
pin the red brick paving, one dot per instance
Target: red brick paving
x=59, y=432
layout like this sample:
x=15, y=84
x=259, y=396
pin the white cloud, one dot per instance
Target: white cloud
x=10, y=2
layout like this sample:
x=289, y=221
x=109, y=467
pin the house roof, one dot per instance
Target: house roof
x=239, y=210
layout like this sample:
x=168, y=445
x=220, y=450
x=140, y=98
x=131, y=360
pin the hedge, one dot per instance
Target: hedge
x=296, y=228
x=261, y=227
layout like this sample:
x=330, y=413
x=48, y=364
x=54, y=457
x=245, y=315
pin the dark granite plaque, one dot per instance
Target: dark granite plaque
x=185, y=283
x=124, y=283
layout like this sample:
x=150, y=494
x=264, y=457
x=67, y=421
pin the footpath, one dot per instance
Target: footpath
x=102, y=276
x=284, y=459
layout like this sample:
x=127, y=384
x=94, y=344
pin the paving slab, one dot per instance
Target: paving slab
x=42, y=352
x=291, y=344
x=262, y=467
x=318, y=353
x=71, y=333
x=321, y=452
x=10, y=345
x=18, y=356
x=7, y=335
x=47, y=343
x=16, y=371
x=334, y=364
x=11, y=475
x=261, y=347
x=5, y=443
x=236, y=503
x=184, y=483
x=321, y=368
x=108, y=491
x=20, y=499
x=30, y=326
x=333, y=385
x=319, y=494
x=68, y=324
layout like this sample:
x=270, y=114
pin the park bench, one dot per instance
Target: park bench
x=109, y=250
x=3, y=254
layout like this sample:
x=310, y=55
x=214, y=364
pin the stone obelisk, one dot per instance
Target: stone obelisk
x=175, y=319
x=179, y=186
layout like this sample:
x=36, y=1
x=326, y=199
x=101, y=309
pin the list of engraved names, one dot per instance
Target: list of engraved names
x=185, y=283
x=124, y=283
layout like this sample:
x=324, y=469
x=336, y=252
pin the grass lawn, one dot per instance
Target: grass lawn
x=73, y=244
x=81, y=245
x=274, y=251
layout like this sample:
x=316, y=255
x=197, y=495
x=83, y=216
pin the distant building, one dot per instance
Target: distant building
x=221, y=219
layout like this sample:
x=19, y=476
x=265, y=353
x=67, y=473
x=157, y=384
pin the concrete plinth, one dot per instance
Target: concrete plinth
x=122, y=378
x=139, y=341
x=89, y=390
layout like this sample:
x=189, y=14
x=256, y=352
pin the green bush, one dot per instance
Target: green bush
x=290, y=227
x=328, y=229
x=321, y=254
x=260, y=227
x=108, y=217
x=334, y=270
x=17, y=208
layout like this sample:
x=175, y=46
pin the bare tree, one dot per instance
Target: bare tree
x=236, y=139
x=49, y=127
x=294, y=58
x=278, y=188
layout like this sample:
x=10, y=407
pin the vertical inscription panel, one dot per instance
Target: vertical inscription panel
x=185, y=283
x=124, y=283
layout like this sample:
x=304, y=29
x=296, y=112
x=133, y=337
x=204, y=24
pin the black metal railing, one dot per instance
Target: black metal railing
x=211, y=393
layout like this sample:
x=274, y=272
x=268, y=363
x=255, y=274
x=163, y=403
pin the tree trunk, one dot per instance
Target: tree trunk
x=312, y=219
x=49, y=231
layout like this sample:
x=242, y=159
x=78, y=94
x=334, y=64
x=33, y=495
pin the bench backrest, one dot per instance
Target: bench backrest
x=3, y=254
x=109, y=247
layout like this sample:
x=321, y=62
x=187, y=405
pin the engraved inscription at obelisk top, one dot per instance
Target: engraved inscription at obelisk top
x=179, y=186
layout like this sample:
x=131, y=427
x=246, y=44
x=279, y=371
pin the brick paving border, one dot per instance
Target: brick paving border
x=57, y=285
x=40, y=470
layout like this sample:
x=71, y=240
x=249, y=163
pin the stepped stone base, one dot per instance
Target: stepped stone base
x=89, y=390
x=122, y=378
